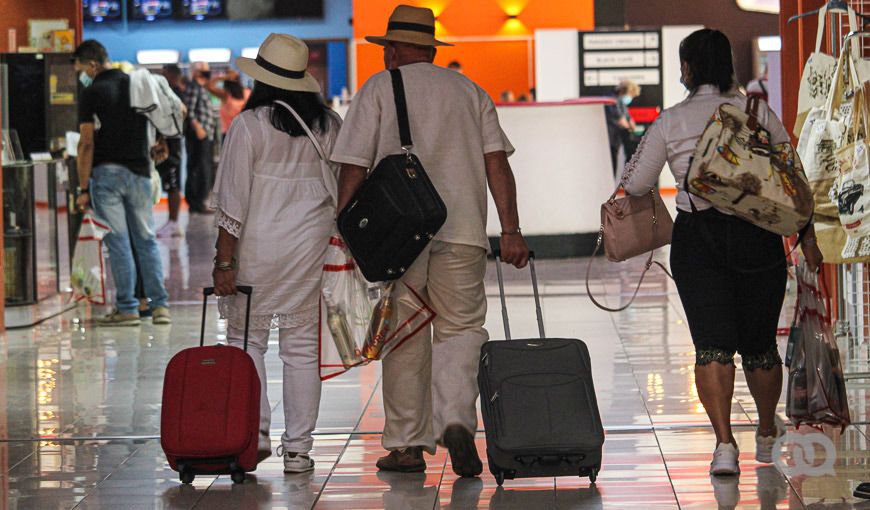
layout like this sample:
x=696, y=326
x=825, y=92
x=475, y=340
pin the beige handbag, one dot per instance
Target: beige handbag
x=631, y=226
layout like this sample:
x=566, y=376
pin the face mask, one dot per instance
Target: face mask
x=85, y=79
x=626, y=100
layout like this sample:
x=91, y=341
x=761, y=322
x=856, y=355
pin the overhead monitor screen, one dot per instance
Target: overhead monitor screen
x=269, y=9
x=202, y=9
x=98, y=11
x=150, y=10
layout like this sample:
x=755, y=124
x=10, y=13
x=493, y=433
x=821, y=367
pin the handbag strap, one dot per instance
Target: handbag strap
x=401, y=110
x=649, y=261
x=820, y=30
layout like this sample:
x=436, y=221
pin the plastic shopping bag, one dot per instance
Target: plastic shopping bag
x=359, y=321
x=346, y=306
x=88, y=276
x=816, y=386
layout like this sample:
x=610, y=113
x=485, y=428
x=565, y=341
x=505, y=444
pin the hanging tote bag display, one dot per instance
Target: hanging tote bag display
x=737, y=169
x=851, y=190
x=819, y=71
x=824, y=132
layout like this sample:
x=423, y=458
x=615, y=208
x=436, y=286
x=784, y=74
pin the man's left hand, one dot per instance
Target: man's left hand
x=83, y=202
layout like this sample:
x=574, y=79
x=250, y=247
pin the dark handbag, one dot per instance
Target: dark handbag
x=396, y=211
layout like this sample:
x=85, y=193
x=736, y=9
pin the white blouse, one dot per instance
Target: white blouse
x=673, y=136
x=269, y=193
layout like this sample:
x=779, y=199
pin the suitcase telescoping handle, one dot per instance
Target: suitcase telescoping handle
x=504, y=312
x=208, y=291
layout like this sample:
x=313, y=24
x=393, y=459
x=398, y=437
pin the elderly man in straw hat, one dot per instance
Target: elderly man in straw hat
x=429, y=384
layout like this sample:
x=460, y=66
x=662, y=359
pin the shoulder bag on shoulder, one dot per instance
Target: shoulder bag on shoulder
x=736, y=168
x=396, y=211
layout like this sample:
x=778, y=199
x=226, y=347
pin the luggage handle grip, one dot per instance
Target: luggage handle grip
x=209, y=291
x=504, y=313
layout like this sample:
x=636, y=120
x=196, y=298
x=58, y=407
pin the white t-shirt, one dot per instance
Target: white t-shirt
x=673, y=136
x=453, y=124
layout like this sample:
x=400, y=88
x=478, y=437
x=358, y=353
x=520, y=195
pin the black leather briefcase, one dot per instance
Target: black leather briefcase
x=396, y=211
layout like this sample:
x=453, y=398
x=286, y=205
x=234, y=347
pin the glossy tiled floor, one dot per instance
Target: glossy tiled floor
x=82, y=411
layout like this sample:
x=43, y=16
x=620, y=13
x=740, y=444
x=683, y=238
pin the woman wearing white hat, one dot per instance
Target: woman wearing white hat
x=275, y=201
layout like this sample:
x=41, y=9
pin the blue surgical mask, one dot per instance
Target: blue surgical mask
x=626, y=100
x=85, y=79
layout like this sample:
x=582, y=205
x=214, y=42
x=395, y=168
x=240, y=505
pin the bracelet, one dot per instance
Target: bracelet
x=225, y=266
x=512, y=232
x=80, y=191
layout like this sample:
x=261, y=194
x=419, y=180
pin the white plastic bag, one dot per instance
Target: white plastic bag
x=88, y=276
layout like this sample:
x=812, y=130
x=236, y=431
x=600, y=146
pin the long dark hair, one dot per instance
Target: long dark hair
x=309, y=106
x=234, y=89
x=708, y=55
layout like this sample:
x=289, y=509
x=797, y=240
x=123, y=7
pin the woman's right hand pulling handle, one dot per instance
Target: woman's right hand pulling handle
x=224, y=282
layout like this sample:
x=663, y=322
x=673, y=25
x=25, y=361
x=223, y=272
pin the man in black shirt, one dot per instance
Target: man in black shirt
x=115, y=173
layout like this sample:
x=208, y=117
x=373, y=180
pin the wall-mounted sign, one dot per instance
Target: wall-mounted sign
x=608, y=58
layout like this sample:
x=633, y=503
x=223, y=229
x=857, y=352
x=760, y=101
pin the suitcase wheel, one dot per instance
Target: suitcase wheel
x=593, y=475
x=499, y=478
x=186, y=476
x=238, y=476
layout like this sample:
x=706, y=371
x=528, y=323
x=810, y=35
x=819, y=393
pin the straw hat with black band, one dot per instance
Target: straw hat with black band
x=282, y=62
x=410, y=25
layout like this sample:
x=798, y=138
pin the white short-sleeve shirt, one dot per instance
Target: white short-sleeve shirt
x=453, y=124
x=673, y=136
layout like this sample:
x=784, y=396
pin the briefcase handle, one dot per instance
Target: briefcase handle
x=208, y=291
x=504, y=313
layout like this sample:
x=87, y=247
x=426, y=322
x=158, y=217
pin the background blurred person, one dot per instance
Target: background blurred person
x=170, y=168
x=233, y=96
x=199, y=137
x=620, y=126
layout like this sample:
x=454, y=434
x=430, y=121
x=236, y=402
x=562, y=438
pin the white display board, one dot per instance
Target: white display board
x=562, y=167
x=557, y=64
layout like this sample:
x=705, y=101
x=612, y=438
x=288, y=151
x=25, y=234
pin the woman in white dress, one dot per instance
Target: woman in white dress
x=274, y=196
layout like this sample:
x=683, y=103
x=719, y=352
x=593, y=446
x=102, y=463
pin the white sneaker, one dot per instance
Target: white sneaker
x=296, y=462
x=725, y=460
x=171, y=229
x=764, y=448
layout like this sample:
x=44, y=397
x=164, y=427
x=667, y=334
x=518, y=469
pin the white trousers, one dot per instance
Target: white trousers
x=430, y=382
x=298, y=349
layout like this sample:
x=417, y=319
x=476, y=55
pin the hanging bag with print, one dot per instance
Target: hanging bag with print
x=850, y=189
x=819, y=71
x=824, y=132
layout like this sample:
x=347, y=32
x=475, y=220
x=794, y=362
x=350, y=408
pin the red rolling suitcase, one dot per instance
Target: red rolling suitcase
x=210, y=419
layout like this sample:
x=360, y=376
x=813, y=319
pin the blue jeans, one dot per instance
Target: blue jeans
x=122, y=199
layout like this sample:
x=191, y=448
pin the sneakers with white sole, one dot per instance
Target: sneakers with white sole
x=725, y=460
x=296, y=462
x=171, y=229
x=764, y=448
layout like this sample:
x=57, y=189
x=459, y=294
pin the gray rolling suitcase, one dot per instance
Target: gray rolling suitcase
x=538, y=401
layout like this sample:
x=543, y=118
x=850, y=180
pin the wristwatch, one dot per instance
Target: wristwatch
x=80, y=190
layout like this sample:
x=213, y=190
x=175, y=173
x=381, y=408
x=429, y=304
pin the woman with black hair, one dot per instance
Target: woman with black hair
x=729, y=309
x=275, y=210
x=233, y=96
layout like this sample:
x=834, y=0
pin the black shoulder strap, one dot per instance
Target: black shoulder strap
x=401, y=108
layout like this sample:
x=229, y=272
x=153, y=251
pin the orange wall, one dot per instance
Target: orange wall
x=15, y=14
x=495, y=51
